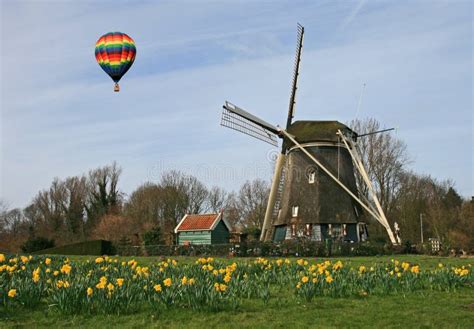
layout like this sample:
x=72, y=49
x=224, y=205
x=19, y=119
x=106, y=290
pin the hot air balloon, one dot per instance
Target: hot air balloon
x=115, y=52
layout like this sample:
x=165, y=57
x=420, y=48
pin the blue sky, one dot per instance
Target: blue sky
x=60, y=116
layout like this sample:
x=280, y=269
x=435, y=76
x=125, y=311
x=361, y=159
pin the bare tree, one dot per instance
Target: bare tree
x=253, y=198
x=187, y=192
x=3, y=211
x=233, y=211
x=385, y=158
x=216, y=199
x=14, y=231
x=103, y=196
x=145, y=207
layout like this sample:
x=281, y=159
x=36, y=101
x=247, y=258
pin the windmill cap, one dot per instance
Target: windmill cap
x=315, y=131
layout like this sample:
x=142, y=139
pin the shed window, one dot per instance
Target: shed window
x=294, y=211
x=312, y=177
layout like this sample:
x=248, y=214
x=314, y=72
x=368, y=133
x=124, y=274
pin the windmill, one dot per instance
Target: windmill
x=313, y=191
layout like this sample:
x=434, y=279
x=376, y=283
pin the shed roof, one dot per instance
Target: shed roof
x=205, y=222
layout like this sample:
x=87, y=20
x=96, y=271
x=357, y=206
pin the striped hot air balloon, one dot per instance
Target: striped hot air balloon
x=115, y=52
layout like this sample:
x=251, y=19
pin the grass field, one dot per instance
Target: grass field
x=418, y=309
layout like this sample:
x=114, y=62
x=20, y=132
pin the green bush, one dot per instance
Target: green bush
x=152, y=238
x=35, y=244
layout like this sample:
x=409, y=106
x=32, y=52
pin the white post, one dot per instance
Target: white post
x=360, y=166
x=421, y=227
x=267, y=222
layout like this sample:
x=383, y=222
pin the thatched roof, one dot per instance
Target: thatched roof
x=316, y=131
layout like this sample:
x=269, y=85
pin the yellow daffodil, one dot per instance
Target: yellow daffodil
x=157, y=287
x=220, y=287
x=337, y=266
x=36, y=275
x=66, y=269
x=167, y=282
x=12, y=293
x=227, y=278
x=90, y=291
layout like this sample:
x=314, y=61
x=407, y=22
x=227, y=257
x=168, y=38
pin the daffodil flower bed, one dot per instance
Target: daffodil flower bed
x=109, y=285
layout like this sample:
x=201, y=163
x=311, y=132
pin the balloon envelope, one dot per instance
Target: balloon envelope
x=115, y=52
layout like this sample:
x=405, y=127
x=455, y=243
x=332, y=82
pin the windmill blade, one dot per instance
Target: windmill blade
x=235, y=118
x=294, y=84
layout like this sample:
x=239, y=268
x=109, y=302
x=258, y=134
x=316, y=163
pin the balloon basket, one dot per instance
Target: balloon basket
x=116, y=88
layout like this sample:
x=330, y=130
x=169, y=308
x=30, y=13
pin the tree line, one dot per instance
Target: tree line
x=92, y=206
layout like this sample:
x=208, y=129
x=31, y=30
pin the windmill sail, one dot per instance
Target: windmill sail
x=294, y=82
x=234, y=117
x=274, y=199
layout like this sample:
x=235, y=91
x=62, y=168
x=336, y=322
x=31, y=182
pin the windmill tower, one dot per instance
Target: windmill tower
x=313, y=191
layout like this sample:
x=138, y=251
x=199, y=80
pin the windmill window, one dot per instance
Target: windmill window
x=329, y=229
x=288, y=233
x=316, y=234
x=312, y=177
x=294, y=211
x=308, y=230
x=293, y=230
x=336, y=230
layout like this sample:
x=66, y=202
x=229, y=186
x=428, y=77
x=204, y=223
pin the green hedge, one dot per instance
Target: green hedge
x=94, y=247
x=298, y=248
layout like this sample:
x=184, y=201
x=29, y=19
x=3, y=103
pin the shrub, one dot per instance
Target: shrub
x=94, y=247
x=152, y=238
x=35, y=244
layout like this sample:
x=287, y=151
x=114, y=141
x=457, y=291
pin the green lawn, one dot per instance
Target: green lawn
x=424, y=309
